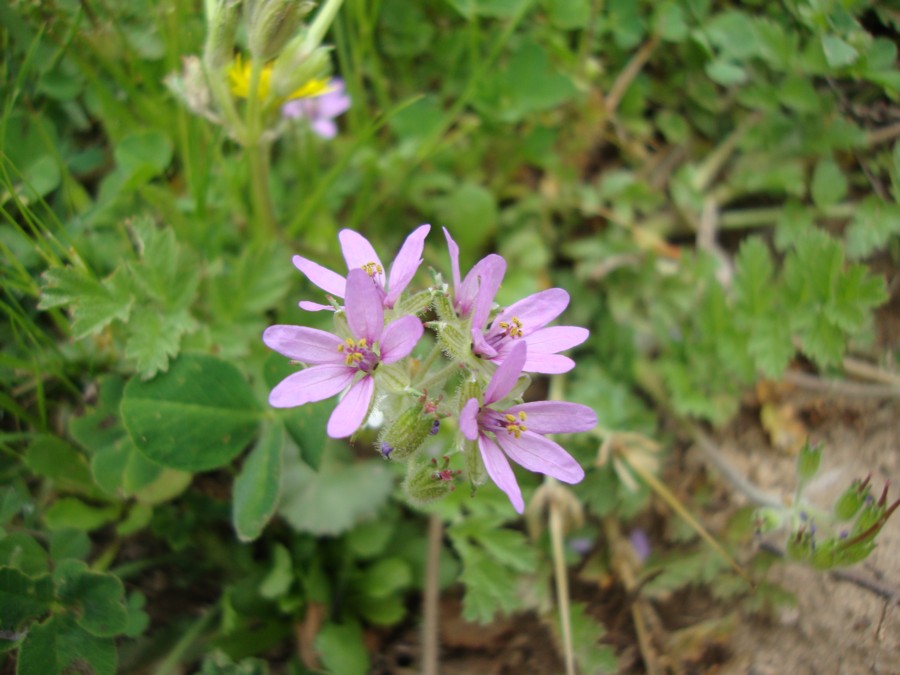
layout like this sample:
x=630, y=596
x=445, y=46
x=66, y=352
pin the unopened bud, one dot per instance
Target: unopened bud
x=808, y=462
x=455, y=342
x=406, y=434
x=273, y=23
x=218, y=51
x=799, y=545
x=443, y=307
x=426, y=483
x=849, y=503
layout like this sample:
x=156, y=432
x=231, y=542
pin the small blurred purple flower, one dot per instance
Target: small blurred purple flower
x=518, y=432
x=320, y=110
x=525, y=321
x=359, y=254
x=336, y=362
x=474, y=295
x=640, y=542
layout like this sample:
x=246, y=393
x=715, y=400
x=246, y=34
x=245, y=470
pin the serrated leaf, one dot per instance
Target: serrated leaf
x=821, y=340
x=22, y=597
x=342, y=649
x=591, y=655
x=258, y=485
x=770, y=345
x=165, y=271
x=829, y=186
x=753, y=278
x=155, y=338
x=94, y=305
x=490, y=588
x=59, y=646
x=875, y=223
x=856, y=294
x=95, y=599
x=197, y=416
x=335, y=498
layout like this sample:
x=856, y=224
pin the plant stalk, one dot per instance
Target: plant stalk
x=431, y=596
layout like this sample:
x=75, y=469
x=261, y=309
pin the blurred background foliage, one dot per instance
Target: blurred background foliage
x=716, y=184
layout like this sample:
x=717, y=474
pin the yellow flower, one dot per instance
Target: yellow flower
x=239, y=76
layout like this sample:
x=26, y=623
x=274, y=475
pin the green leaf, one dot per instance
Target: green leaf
x=770, y=345
x=829, y=186
x=837, y=52
x=470, y=212
x=94, y=304
x=725, y=72
x=335, y=498
x=197, y=416
x=753, y=278
x=59, y=646
x=155, y=338
x=22, y=597
x=144, y=150
x=669, y=21
x=22, y=552
x=822, y=340
x=53, y=458
x=95, y=599
x=166, y=271
x=342, y=649
x=137, y=618
x=73, y=513
x=279, y=579
x=568, y=14
x=258, y=485
x=875, y=223
x=489, y=586
x=591, y=655
x=386, y=577
x=854, y=297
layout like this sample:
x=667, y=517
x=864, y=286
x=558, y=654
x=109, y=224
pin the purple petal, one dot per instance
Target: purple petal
x=324, y=128
x=535, y=311
x=335, y=102
x=497, y=467
x=480, y=345
x=313, y=384
x=300, y=343
x=506, y=375
x=404, y=267
x=556, y=417
x=314, y=306
x=468, y=419
x=399, y=338
x=541, y=455
x=351, y=411
x=365, y=313
x=547, y=364
x=476, y=294
x=358, y=251
x=556, y=339
x=328, y=281
x=454, y=260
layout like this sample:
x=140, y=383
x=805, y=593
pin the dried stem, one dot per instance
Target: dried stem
x=431, y=596
x=562, y=584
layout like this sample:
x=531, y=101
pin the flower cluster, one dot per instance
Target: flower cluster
x=368, y=359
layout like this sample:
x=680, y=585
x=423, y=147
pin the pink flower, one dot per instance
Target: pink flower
x=320, y=110
x=474, y=295
x=359, y=254
x=525, y=321
x=517, y=433
x=336, y=363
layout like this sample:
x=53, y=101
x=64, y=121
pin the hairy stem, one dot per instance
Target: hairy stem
x=431, y=596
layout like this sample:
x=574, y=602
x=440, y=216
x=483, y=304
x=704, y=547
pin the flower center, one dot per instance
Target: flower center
x=373, y=268
x=512, y=328
x=359, y=354
x=514, y=424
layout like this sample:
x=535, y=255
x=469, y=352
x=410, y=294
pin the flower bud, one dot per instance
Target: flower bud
x=298, y=71
x=274, y=22
x=808, y=462
x=799, y=545
x=415, y=304
x=426, y=483
x=406, y=434
x=768, y=519
x=443, y=307
x=849, y=503
x=221, y=27
x=455, y=342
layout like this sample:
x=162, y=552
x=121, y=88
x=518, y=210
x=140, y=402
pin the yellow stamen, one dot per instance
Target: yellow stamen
x=372, y=268
x=513, y=327
x=239, y=77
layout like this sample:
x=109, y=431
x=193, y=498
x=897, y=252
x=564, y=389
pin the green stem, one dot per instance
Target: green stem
x=430, y=646
x=170, y=663
x=562, y=584
x=428, y=362
x=258, y=154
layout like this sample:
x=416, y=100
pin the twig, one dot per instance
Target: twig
x=629, y=72
x=883, y=135
x=430, y=643
x=867, y=371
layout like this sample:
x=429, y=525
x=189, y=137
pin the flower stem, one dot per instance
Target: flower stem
x=320, y=25
x=562, y=584
x=429, y=360
x=430, y=643
x=440, y=376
